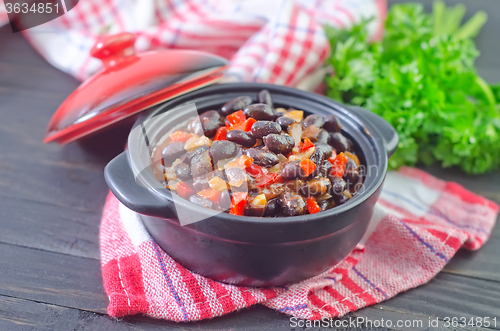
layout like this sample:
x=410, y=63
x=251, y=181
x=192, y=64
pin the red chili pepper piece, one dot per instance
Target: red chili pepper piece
x=266, y=180
x=180, y=136
x=238, y=203
x=338, y=165
x=242, y=162
x=279, y=179
x=236, y=117
x=308, y=166
x=227, y=124
x=210, y=194
x=185, y=190
x=306, y=145
x=256, y=171
x=312, y=205
x=221, y=134
x=245, y=125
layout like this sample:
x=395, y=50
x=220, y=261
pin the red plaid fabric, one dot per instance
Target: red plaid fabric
x=268, y=41
x=3, y=14
x=418, y=225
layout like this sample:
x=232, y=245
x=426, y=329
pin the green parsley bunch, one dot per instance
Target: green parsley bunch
x=421, y=78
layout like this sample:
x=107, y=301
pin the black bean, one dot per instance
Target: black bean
x=196, y=199
x=241, y=137
x=354, y=187
x=321, y=153
x=201, y=182
x=200, y=168
x=201, y=164
x=279, y=143
x=202, y=155
x=222, y=149
x=195, y=127
x=172, y=152
x=352, y=178
x=185, y=158
x=332, y=124
x=340, y=199
x=323, y=137
x=272, y=208
x=351, y=174
x=292, y=204
x=210, y=120
x=323, y=204
x=183, y=172
x=285, y=122
x=259, y=111
x=340, y=143
x=292, y=170
x=317, y=120
x=225, y=200
x=315, y=187
x=265, y=97
x=326, y=167
x=262, y=157
x=239, y=151
x=278, y=114
x=338, y=185
x=200, y=150
x=238, y=103
x=263, y=128
x=351, y=165
x=325, y=148
x=317, y=158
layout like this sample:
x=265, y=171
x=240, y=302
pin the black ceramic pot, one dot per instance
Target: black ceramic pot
x=245, y=250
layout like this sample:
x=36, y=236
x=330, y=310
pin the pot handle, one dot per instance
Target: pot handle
x=111, y=48
x=388, y=133
x=120, y=179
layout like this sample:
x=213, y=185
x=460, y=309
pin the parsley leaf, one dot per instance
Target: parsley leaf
x=421, y=78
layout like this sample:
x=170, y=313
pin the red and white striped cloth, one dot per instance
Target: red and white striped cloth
x=418, y=225
x=280, y=41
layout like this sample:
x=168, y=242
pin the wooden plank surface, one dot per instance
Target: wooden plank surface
x=51, y=199
x=73, y=283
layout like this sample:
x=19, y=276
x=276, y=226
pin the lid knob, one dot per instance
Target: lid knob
x=111, y=48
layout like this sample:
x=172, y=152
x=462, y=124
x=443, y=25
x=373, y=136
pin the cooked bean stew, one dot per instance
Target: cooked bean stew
x=253, y=159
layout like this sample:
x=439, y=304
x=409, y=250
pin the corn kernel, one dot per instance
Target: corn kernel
x=259, y=201
x=218, y=184
x=296, y=115
x=194, y=142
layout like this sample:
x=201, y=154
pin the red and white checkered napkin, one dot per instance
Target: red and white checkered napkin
x=420, y=223
x=267, y=41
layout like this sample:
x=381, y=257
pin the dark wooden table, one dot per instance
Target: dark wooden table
x=51, y=199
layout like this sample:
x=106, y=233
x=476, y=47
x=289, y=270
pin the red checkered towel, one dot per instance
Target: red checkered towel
x=272, y=41
x=418, y=225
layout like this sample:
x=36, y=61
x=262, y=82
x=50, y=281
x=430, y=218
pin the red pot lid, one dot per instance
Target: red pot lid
x=129, y=83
